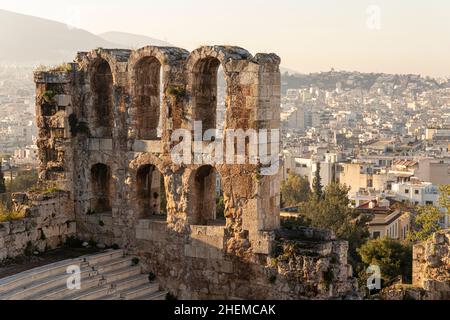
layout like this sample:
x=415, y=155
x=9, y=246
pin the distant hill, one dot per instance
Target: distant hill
x=132, y=41
x=31, y=40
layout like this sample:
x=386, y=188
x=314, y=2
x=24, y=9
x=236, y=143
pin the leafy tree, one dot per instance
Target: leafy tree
x=220, y=207
x=23, y=181
x=392, y=256
x=2, y=180
x=444, y=197
x=317, y=183
x=334, y=213
x=294, y=190
x=424, y=223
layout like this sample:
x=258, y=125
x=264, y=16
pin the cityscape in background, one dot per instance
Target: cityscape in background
x=358, y=207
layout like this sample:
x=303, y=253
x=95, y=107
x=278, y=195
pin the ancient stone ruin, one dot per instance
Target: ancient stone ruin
x=105, y=125
x=431, y=271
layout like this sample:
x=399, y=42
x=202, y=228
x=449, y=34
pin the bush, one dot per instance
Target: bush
x=294, y=190
x=393, y=257
x=92, y=243
x=135, y=261
x=151, y=276
x=73, y=242
x=170, y=296
x=176, y=91
x=10, y=214
x=24, y=181
x=49, y=96
x=220, y=207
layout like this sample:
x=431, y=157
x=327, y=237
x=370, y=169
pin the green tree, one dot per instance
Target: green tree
x=2, y=179
x=220, y=207
x=334, y=213
x=424, y=223
x=392, y=256
x=317, y=183
x=444, y=197
x=294, y=190
x=23, y=181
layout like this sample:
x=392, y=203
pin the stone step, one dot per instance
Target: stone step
x=105, y=276
x=111, y=296
x=89, y=294
x=123, y=273
x=111, y=265
x=60, y=292
x=52, y=281
x=130, y=282
x=159, y=295
x=140, y=290
x=103, y=257
x=23, y=279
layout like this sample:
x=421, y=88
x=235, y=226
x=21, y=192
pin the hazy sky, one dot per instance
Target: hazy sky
x=315, y=35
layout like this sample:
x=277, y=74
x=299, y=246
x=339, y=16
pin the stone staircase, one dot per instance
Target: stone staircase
x=109, y=275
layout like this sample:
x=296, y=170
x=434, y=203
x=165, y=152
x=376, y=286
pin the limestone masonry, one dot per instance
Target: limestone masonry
x=105, y=123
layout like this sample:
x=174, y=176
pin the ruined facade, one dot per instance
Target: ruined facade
x=105, y=127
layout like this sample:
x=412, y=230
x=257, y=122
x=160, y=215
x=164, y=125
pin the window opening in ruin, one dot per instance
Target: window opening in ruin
x=102, y=88
x=148, y=98
x=209, y=94
x=151, y=193
x=208, y=205
x=101, y=188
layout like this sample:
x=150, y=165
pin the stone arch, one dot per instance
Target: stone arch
x=150, y=192
x=147, y=97
x=101, y=81
x=204, y=195
x=202, y=68
x=204, y=92
x=101, y=188
x=143, y=74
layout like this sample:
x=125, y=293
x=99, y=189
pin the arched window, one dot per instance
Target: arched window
x=208, y=85
x=101, y=188
x=207, y=197
x=102, y=87
x=147, y=98
x=151, y=194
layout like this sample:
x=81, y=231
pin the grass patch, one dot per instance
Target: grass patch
x=10, y=214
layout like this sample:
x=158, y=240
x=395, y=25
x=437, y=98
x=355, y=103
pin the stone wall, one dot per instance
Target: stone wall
x=49, y=220
x=98, y=139
x=431, y=271
x=431, y=264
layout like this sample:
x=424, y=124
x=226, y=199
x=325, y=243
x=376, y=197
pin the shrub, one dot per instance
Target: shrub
x=49, y=96
x=10, y=214
x=170, y=296
x=73, y=242
x=176, y=91
x=135, y=261
x=151, y=276
x=393, y=257
x=92, y=243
